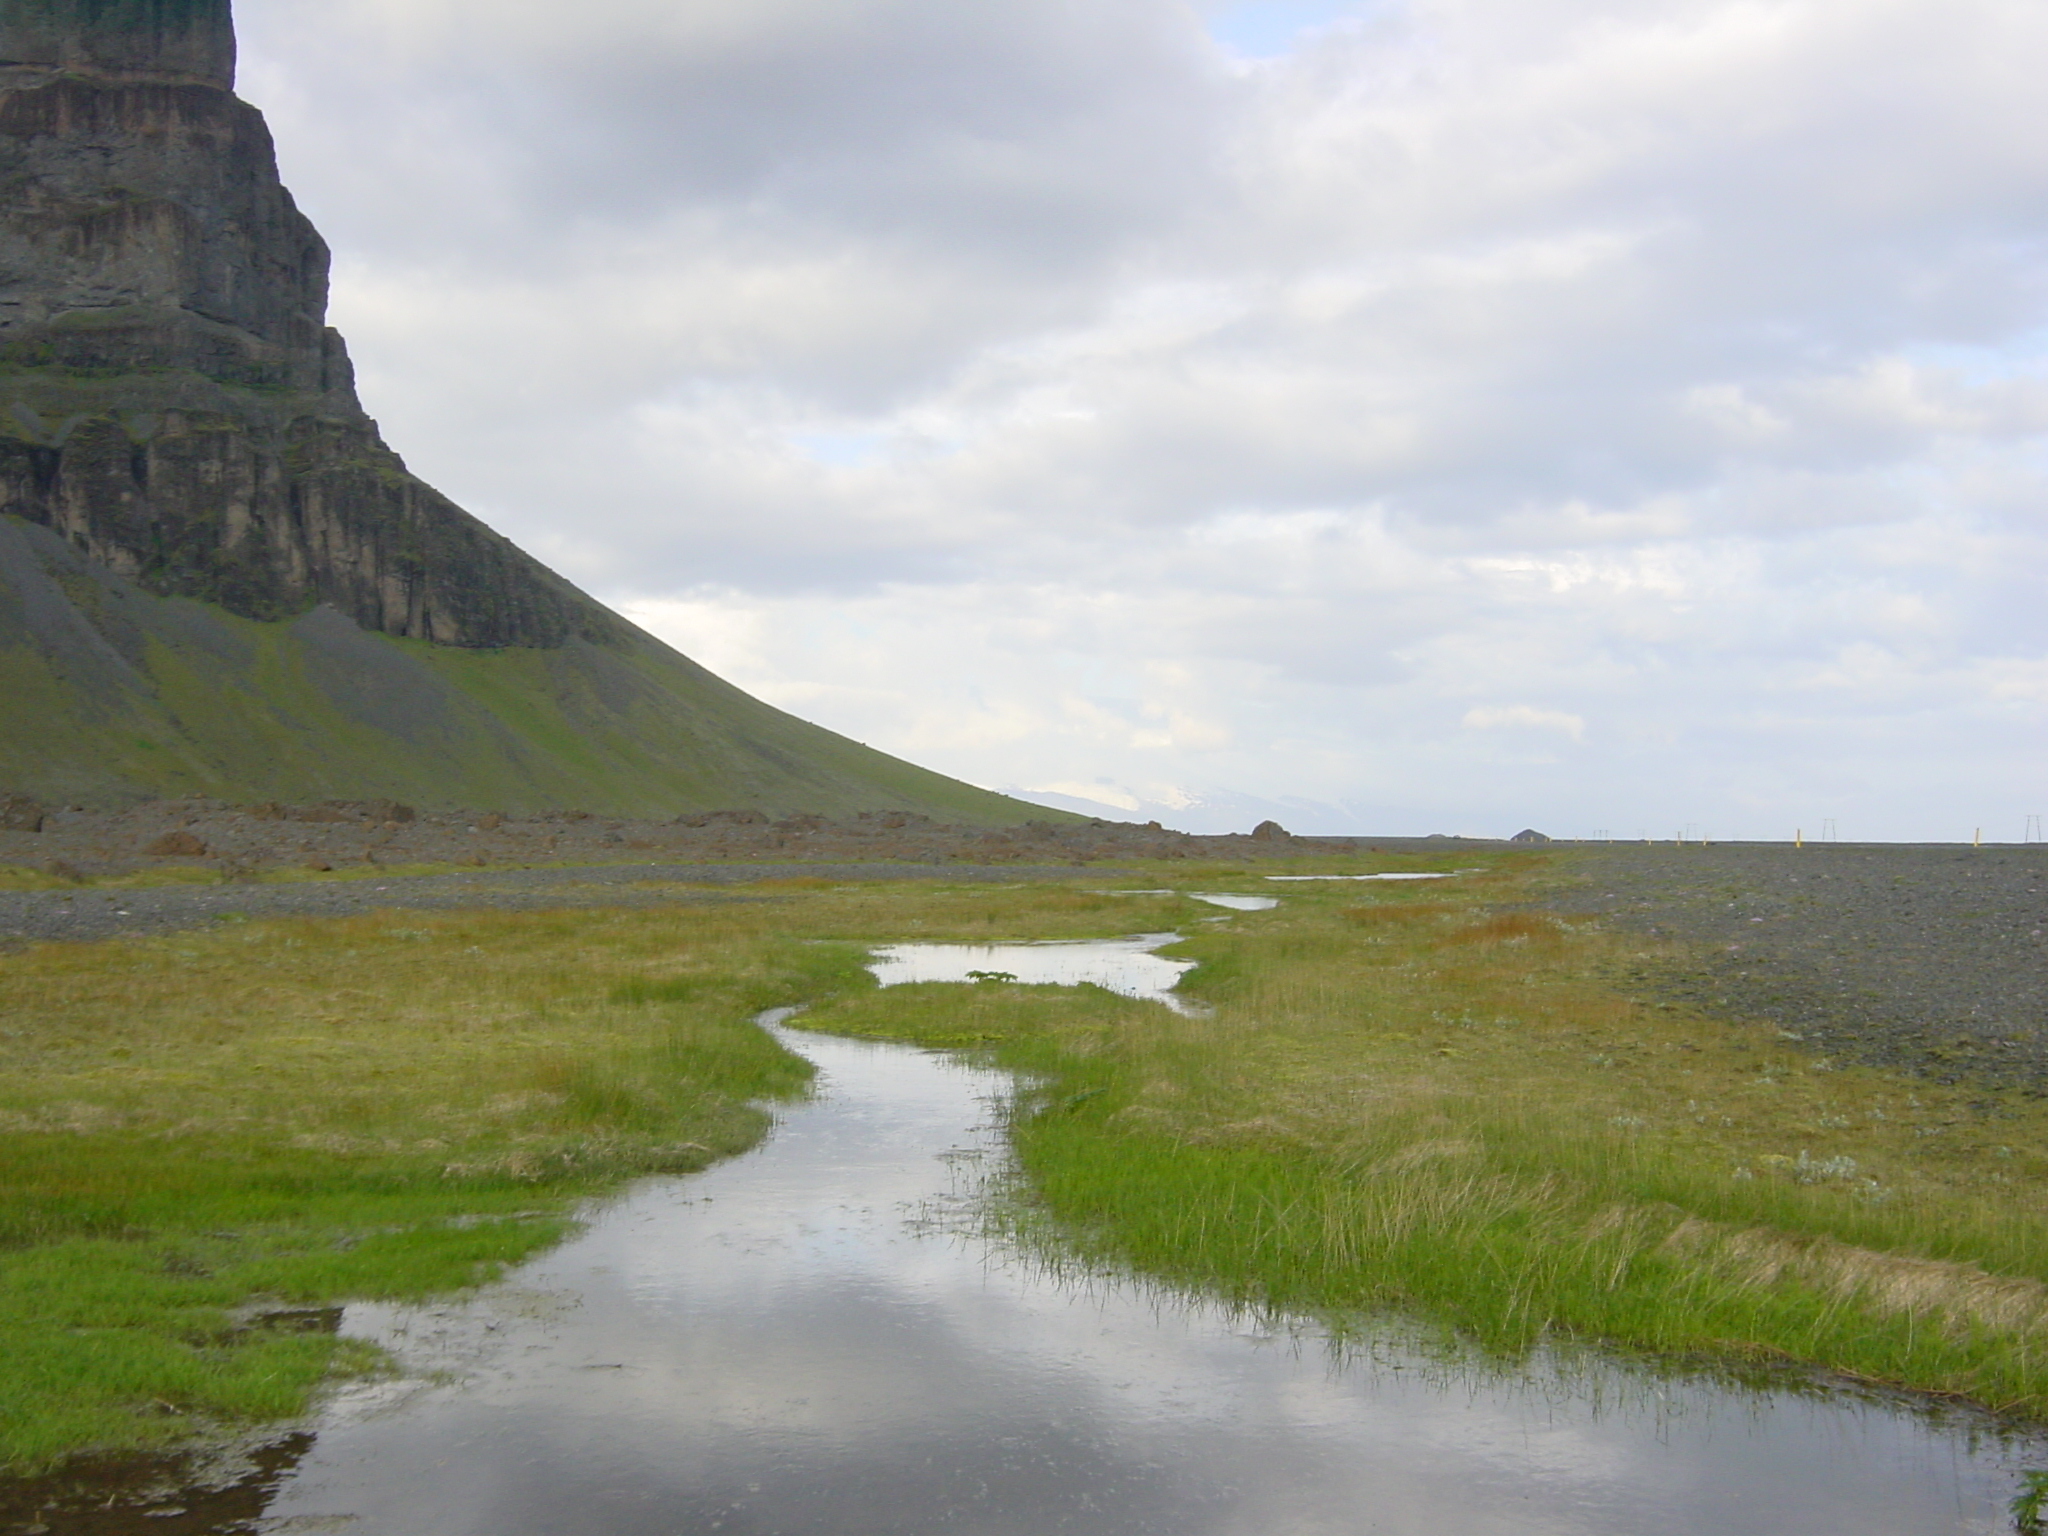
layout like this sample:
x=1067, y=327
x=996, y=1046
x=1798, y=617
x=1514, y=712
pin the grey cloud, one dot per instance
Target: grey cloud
x=1018, y=136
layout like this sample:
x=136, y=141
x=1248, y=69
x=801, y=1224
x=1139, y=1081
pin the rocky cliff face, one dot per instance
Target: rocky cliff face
x=172, y=401
x=178, y=40
x=178, y=421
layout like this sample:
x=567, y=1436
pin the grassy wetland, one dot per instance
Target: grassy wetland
x=1418, y=1098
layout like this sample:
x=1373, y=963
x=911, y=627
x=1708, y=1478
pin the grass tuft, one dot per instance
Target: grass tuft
x=1441, y=1104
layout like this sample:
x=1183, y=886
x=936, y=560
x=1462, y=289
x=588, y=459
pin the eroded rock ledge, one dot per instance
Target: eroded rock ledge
x=172, y=400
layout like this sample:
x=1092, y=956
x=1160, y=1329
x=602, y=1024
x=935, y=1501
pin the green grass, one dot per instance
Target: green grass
x=1403, y=1100
x=1411, y=1102
x=203, y=702
x=199, y=1130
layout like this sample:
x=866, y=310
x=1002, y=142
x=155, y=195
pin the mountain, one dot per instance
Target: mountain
x=215, y=577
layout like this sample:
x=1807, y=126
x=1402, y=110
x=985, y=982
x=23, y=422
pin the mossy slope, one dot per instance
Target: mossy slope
x=108, y=693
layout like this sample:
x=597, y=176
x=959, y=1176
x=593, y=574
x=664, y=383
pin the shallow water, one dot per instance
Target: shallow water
x=804, y=1340
x=1216, y=899
x=1437, y=875
x=1125, y=966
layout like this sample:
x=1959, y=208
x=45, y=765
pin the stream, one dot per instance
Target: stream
x=812, y=1338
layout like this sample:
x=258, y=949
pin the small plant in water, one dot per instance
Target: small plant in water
x=991, y=976
x=2027, y=1505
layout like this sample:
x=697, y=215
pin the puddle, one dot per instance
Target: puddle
x=1125, y=966
x=1439, y=875
x=807, y=1340
x=1216, y=899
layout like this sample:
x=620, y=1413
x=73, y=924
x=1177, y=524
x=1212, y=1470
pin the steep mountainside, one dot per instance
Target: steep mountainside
x=214, y=575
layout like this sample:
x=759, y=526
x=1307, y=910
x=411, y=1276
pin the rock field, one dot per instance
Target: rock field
x=1926, y=956
x=559, y=860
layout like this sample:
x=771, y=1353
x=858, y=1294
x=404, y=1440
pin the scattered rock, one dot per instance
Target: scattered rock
x=337, y=832
x=725, y=819
x=320, y=864
x=176, y=845
x=18, y=813
x=1899, y=955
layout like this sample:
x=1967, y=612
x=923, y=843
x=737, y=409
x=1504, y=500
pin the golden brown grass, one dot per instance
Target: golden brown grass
x=1421, y=1098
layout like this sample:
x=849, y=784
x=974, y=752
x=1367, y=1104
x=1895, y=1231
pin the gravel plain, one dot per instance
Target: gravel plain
x=95, y=913
x=206, y=860
x=1930, y=957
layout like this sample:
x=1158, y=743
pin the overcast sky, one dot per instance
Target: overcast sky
x=1456, y=415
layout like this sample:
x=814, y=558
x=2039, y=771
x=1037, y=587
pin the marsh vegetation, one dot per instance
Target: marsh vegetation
x=1412, y=1096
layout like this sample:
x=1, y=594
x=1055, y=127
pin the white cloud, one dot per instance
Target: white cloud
x=1061, y=397
x=1524, y=716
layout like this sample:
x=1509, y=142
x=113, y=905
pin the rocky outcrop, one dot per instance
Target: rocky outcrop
x=180, y=40
x=172, y=401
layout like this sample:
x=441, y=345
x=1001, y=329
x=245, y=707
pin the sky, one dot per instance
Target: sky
x=1451, y=416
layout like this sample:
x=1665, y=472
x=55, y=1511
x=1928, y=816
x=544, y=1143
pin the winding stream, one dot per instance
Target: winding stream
x=808, y=1340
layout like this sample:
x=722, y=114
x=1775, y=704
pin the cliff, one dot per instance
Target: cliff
x=172, y=401
x=179, y=424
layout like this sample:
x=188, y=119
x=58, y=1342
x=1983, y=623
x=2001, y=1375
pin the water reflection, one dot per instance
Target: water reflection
x=187, y=1495
x=1126, y=966
x=803, y=1340
x=1444, y=874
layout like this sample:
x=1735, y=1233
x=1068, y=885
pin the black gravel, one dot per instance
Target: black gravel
x=1928, y=957
x=93, y=913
